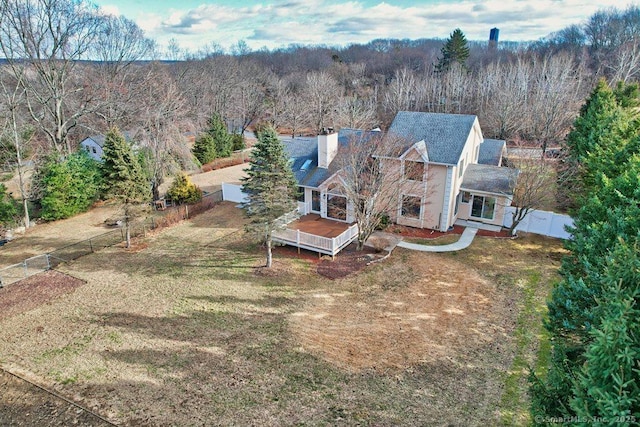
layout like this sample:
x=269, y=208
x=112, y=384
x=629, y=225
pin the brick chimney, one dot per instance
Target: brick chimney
x=327, y=147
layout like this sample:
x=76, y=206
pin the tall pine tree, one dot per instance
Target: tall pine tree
x=124, y=178
x=270, y=186
x=454, y=51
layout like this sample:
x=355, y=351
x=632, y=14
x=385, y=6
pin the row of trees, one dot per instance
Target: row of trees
x=52, y=98
x=216, y=141
x=594, y=310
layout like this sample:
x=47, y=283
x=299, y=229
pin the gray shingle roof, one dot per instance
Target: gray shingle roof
x=491, y=152
x=444, y=134
x=99, y=139
x=489, y=179
x=302, y=149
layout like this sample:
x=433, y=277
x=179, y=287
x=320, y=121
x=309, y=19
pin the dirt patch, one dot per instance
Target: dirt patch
x=423, y=311
x=35, y=291
x=347, y=262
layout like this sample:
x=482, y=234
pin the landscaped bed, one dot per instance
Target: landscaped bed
x=189, y=330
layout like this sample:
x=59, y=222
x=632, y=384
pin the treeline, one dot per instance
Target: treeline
x=71, y=72
x=594, y=312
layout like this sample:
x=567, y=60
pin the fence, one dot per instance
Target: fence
x=233, y=193
x=40, y=263
x=541, y=222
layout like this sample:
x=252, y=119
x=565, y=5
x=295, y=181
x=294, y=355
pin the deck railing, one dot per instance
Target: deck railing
x=325, y=245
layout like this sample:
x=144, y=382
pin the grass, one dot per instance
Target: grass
x=188, y=331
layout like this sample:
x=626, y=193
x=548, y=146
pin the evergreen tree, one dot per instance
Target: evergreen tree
x=68, y=187
x=598, y=139
x=216, y=142
x=454, y=51
x=218, y=131
x=593, y=316
x=182, y=190
x=270, y=186
x=204, y=149
x=608, y=385
x=124, y=179
x=8, y=208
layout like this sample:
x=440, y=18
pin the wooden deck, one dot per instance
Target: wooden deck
x=318, y=226
x=318, y=234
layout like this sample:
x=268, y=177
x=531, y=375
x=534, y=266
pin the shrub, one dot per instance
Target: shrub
x=69, y=186
x=237, y=142
x=8, y=208
x=182, y=190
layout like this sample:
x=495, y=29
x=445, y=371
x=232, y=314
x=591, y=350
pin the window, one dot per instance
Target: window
x=315, y=201
x=466, y=197
x=301, y=194
x=336, y=207
x=460, y=168
x=306, y=165
x=411, y=207
x=336, y=203
x=477, y=154
x=94, y=150
x=483, y=207
x=413, y=171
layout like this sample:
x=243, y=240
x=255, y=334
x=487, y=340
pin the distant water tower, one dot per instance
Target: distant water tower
x=493, y=37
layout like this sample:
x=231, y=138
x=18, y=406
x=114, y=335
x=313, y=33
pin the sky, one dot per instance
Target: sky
x=274, y=24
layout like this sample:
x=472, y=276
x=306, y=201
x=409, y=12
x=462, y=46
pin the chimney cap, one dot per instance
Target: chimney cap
x=326, y=131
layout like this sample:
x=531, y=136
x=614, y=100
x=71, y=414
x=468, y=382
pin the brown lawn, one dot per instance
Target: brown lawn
x=188, y=331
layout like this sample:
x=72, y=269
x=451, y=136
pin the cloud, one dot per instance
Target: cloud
x=110, y=9
x=281, y=23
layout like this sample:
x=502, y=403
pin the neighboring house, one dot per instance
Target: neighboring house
x=445, y=173
x=93, y=145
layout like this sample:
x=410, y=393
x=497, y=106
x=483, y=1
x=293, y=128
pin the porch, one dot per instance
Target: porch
x=317, y=234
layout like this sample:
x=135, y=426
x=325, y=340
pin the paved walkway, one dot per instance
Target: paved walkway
x=465, y=240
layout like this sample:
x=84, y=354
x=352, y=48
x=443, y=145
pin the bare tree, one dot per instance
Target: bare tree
x=400, y=94
x=296, y=111
x=13, y=94
x=554, y=100
x=161, y=123
x=533, y=186
x=502, y=91
x=624, y=64
x=48, y=37
x=277, y=91
x=113, y=77
x=372, y=182
x=355, y=112
x=249, y=96
x=321, y=93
